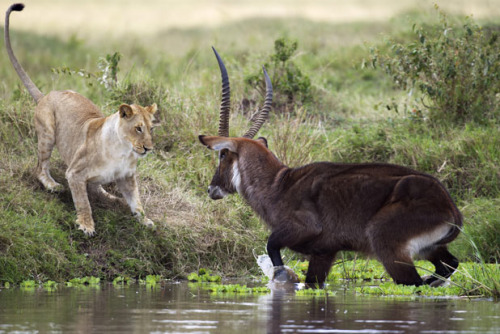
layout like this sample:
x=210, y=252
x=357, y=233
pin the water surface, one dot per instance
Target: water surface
x=179, y=307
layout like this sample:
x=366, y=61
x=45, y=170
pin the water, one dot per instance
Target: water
x=182, y=308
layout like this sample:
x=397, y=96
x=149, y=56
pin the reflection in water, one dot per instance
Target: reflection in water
x=338, y=315
x=180, y=308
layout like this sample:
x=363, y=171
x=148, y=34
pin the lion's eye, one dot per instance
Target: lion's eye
x=138, y=129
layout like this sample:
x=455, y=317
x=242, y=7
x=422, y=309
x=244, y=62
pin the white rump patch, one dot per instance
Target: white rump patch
x=236, y=180
x=425, y=240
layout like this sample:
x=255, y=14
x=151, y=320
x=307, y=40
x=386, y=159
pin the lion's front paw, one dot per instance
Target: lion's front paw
x=148, y=222
x=144, y=220
x=86, y=225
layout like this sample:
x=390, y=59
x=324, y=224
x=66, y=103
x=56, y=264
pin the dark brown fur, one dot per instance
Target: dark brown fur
x=389, y=211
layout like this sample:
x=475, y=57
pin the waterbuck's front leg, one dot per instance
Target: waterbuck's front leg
x=291, y=235
x=130, y=191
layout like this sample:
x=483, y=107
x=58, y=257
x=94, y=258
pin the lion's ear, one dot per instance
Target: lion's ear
x=155, y=114
x=126, y=111
x=152, y=108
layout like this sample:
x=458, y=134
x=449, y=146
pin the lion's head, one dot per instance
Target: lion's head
x=136, y=125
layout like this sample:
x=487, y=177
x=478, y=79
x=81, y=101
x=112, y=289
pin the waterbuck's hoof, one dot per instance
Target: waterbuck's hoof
x=434, y=282
x=283, y=274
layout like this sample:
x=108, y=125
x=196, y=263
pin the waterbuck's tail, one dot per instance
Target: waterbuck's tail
x=456, y=224
x=30, y=86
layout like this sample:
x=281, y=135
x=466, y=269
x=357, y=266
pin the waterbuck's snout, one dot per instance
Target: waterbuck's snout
x=215, y=192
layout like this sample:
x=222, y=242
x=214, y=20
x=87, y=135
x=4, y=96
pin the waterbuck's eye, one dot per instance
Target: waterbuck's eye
x=138, y=129
x=222, y=154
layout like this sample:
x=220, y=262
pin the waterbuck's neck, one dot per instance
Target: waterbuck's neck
x=259, y=180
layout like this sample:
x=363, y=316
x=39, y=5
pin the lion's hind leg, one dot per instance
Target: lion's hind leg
x=45, y=127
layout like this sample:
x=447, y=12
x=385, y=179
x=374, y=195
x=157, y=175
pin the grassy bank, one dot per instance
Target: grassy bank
x=346, y=120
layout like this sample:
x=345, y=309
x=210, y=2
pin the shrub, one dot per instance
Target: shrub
x=291, y=87
x=456, y=69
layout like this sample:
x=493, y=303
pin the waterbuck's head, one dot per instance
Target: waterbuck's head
x=235, y=150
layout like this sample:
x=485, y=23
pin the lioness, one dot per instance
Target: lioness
x=96, y=149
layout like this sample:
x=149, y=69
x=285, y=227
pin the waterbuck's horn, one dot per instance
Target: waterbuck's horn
x=264, y=112
x=225, y=104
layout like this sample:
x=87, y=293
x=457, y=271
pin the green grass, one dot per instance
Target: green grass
x=347, y=121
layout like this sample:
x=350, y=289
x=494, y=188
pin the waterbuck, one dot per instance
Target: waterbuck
x=388, y=211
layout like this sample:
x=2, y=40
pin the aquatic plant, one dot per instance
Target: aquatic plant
x=229, y=289
x=203, y=275
x=84, y=281
x=122, y=280
x=151, y=280
x=49, y=284
x=395, y=290
x=28, y=284
x=314, y=292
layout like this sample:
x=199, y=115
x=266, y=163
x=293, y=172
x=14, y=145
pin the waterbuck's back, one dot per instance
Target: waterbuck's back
x=344, y=200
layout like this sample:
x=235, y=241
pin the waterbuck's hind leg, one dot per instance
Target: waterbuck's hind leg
x=444, y=262
x=401, y=269
x=319, y=267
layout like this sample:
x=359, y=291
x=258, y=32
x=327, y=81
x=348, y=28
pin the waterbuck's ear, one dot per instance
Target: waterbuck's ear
x=218, y=143
x=263, y=141
x=126, y=111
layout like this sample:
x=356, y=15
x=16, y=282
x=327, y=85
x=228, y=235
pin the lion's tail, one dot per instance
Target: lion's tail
x=30, y=86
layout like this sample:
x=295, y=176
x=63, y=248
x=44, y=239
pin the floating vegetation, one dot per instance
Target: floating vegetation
x=235, y=289
x=314, y=292
x=151, y=280
x=229, y=289
x=84, y=281
x=49, y=285
x=203, y=275
x=28, y=285
x=122, y=280
x=391, y=289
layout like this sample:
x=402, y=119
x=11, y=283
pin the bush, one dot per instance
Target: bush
x=456, y=69
x=290, y=86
